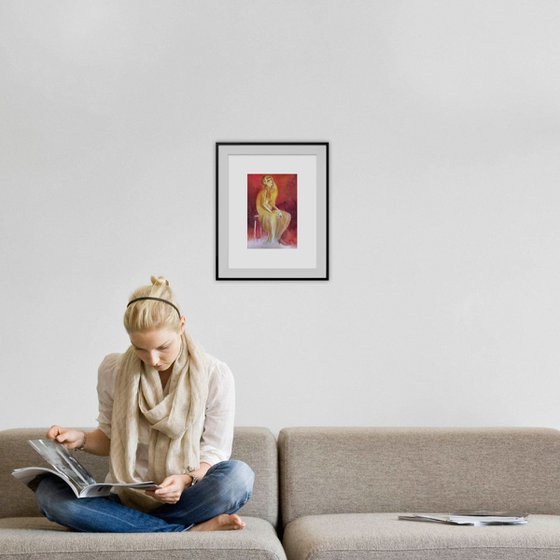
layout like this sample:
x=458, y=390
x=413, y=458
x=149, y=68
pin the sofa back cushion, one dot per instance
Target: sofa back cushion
x=360, y=470
x=255, y=446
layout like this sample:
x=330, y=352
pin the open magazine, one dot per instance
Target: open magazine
x=68, y=468
x=477, y=518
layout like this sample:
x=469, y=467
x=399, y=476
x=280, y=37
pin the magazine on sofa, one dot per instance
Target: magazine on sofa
x=68, y=468
x=476, y=518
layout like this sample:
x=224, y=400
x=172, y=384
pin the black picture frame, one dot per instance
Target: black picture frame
x=260, y=251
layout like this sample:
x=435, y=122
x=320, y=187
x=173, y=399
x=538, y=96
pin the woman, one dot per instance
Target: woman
x=166, y=414
x=273, y=220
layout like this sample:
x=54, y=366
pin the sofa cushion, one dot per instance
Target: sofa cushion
x=38, y=539
x=361, y=470
x=382, y=536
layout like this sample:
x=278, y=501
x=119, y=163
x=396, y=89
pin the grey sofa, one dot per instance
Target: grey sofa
x=25, y=535
x=342, y=489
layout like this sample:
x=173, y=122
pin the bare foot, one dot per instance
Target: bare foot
x=222, y=522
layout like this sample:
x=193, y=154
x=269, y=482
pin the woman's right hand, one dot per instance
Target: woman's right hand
x=70, y=438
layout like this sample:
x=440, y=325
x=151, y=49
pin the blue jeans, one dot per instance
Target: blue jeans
x=226, y=487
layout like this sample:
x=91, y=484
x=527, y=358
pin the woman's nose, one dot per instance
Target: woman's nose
x=153, y=358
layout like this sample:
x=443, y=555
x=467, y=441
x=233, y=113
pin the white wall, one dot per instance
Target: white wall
x=444, y=123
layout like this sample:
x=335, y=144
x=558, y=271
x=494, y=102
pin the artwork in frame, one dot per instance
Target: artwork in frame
x=272, y=201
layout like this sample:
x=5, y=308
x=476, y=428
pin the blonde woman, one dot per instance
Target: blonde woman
x=166, y=413
x=273, y=220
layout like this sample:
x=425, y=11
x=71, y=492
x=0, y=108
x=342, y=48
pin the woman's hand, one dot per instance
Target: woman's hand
x=170, y=490
x=70, y=438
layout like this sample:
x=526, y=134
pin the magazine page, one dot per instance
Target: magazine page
x=427, y=518
x=487, y=518
x=63, y=462
x=69, y=469
x=476, y=519
x=28, y=474
x=104, y=488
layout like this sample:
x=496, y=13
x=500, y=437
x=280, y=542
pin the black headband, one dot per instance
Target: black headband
x=155, y=299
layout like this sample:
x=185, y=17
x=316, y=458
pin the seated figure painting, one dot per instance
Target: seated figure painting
x=272, y=211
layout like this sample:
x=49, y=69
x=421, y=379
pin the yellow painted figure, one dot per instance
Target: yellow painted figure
x=273, y=220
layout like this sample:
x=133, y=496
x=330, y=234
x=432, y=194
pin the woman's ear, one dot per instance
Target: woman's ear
x=182, y=322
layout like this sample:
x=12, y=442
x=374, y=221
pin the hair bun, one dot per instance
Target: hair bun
x=159, y=281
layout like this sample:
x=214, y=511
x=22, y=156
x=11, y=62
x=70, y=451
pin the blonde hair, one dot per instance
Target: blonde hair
x=148, y=314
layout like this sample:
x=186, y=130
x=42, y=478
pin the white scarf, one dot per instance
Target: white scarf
x=174, y=419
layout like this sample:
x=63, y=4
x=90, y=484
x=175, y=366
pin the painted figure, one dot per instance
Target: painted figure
x=273, y=220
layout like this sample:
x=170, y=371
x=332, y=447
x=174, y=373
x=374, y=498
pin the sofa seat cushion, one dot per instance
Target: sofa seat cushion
x=35, y=538
x=383, y=536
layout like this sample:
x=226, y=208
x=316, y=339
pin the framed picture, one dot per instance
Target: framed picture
x=272, y=211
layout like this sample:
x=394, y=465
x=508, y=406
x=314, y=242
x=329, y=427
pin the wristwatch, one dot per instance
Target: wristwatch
x=195, y=479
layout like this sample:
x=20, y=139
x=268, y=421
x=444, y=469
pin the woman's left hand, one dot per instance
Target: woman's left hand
x=170, y=490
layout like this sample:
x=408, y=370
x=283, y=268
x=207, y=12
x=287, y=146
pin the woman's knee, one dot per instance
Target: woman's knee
x=237, y=469
x=54, y=498
x=240, y=477
x=46, y=488
x=244, y=474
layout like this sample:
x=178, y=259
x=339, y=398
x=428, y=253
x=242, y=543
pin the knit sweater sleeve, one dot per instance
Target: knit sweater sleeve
x=217, y=436
x=105, y=390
